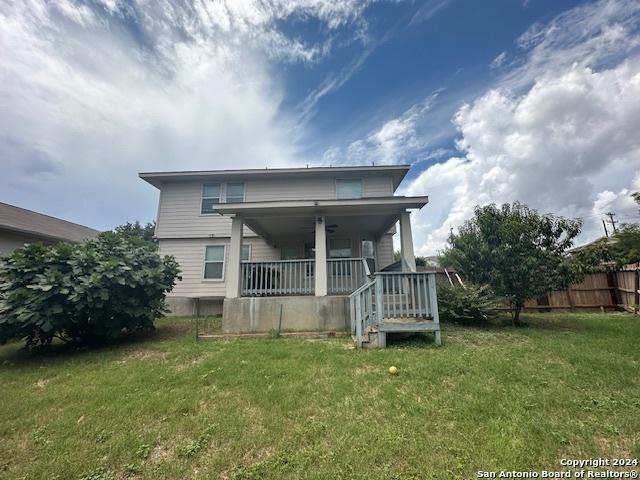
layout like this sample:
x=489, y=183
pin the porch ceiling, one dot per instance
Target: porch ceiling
x=282, y=220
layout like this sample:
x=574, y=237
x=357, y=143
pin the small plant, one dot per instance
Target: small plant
x=473, y=305
x=274, y=333
x=143, y=451
x=98, y=474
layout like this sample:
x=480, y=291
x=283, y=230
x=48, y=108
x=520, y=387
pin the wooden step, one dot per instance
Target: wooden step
x=391, y=326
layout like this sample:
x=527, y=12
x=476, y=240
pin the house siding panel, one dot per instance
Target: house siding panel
x=179, y=214
x=385, y=251
x=10, y=241
x=179, y=204
x=190, y=255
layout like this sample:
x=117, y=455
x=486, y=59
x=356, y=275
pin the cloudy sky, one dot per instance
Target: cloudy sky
x=493, y=101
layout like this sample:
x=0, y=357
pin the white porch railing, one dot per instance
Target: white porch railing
x=362, y=310
x=407, y=294
x=282, y=277
x=393, y=302
x=345, y=275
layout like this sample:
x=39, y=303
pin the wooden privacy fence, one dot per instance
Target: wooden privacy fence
x=603, y=290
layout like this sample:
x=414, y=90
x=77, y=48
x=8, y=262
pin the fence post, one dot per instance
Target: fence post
x=612, y=283
x=571, y=304
x=636, y=307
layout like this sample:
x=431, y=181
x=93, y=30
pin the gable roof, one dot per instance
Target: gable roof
x=397, y=172
x=21, y=220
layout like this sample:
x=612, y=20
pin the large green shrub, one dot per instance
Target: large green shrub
x=473, y=305
x=86, y=292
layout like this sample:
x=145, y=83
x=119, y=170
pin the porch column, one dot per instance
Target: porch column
x=321, y=257
x=235, y=254
x=406, y=242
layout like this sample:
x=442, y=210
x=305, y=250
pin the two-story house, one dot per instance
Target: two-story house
x=287, y=243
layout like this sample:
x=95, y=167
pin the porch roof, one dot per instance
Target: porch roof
x=279, y=220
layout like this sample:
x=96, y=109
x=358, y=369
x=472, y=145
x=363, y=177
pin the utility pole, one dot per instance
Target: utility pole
x=604, y=224
x=612, y=221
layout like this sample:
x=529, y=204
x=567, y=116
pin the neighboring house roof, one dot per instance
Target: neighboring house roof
x=398, y=172
x=20, y=220
x=593, y=242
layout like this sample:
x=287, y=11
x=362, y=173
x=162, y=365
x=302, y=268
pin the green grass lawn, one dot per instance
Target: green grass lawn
x=168, y=407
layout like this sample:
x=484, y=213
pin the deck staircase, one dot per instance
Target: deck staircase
x=394, y=302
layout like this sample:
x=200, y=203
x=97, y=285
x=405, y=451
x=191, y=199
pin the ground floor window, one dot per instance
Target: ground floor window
x=246, y=253
x=214, y=262
x=340, y=248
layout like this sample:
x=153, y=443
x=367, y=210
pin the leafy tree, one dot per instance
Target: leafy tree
x=515, y=250
x=136, y=232
x=86, y=292
x=621, y=249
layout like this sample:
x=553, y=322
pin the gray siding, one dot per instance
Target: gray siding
x=179, y=214
x=311, y=188
x=179, y=206
x=9, y=241
x=385, y=251
x=190, y=255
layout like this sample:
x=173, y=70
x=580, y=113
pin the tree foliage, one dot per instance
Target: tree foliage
x=137, y=233
x=469, y=305
x=517, y=251
x=86, y=292
x=617, y=251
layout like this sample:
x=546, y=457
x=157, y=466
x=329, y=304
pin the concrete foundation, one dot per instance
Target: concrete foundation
x=262, y=314
x=183, y=307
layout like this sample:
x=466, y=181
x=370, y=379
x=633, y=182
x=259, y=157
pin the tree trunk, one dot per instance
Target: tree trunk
x=515, y=319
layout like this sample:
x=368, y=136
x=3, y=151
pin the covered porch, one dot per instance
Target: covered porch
x=327, y=247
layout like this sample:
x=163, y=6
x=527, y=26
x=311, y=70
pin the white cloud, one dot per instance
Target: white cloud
x=91, y=94
x=560, y=148
x=597, y=33
x=557, y=131
x=499, y=60
x=397, y=140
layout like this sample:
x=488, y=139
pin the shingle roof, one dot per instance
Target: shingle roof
x=26, y=221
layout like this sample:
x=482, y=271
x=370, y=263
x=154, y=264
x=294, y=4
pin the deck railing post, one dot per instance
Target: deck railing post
x=379, y=299
x=434, y=305
x=358, y=321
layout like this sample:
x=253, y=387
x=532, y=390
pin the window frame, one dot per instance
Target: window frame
x=345, y=239
x=203, y=198
x=359, y=179
x=291, y=247
x=226, y=191
x=224, y=262
x=248, y=245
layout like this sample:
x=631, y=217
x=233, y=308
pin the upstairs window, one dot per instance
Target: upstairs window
x=348, y=188
x=246, y=253
x=214, y=262
x=210, y=197
x=235, y=192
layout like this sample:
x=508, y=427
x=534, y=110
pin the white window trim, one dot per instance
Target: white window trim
x=223, y=196
x=352, y=178
x=202, y=197
x=244, y=191
x=224, y=262
x=246, y=245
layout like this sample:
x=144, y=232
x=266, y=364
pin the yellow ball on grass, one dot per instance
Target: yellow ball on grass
x=393, y=371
